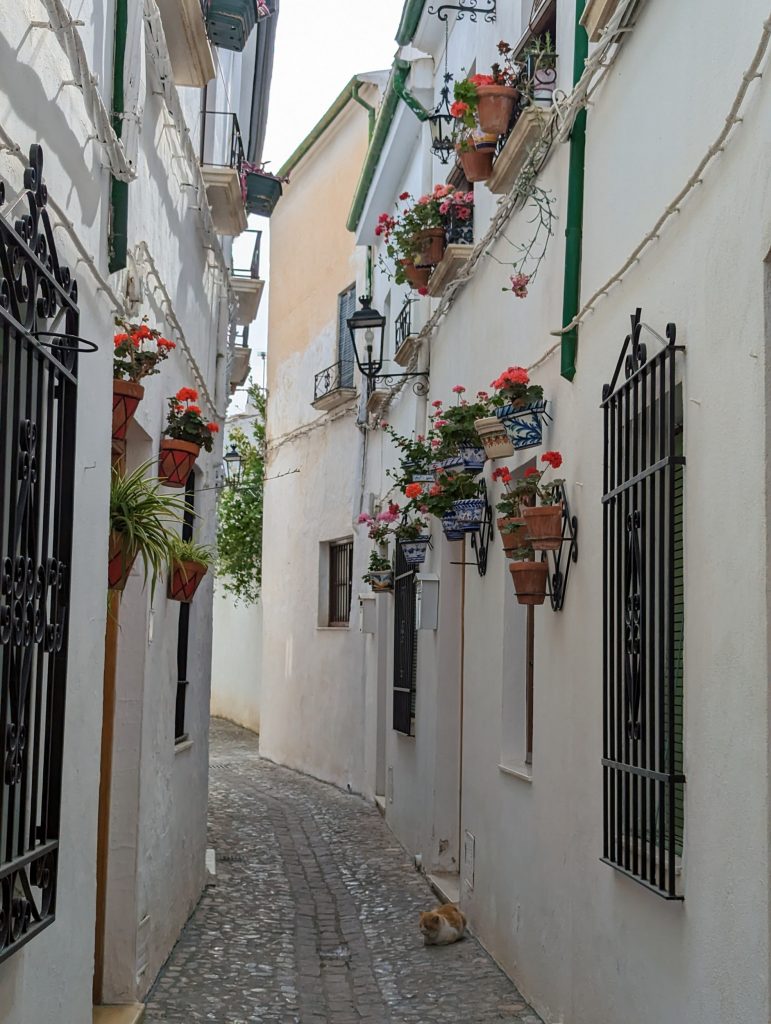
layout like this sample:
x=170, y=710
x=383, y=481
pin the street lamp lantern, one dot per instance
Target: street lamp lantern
x=233, y=462
x=442, y=124
x=367, y=327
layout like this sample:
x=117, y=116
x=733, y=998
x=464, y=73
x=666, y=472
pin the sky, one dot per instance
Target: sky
x=320, y=45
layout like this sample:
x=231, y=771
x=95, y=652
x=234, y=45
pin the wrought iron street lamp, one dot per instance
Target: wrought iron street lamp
x=367, y=328
x=233, y=463
x=442, y=124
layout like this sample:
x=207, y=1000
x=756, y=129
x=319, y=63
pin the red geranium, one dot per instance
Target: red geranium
x=553, y=458
x=413, y=490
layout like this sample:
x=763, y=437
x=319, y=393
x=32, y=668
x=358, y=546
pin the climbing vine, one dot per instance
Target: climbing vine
x=239, y=539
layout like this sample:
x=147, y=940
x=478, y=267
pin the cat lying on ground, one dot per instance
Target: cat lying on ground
x=442, y=926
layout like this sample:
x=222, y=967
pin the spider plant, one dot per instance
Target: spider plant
x=188, y=551
x=143, y=520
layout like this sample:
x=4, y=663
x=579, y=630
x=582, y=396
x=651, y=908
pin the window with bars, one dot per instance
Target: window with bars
x=183, y=628
x=340, y=582
x=643, y=613
x=405, y=647
x=346, y=307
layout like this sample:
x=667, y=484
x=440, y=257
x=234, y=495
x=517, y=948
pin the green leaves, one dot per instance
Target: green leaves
x=239, y=537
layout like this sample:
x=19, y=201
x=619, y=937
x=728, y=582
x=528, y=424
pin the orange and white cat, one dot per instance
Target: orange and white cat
x=442, y=926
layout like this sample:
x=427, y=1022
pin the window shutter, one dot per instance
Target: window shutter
x=346, y=307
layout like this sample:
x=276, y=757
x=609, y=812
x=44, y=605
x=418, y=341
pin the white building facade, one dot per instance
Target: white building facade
x=96, y=886
x=605, y=826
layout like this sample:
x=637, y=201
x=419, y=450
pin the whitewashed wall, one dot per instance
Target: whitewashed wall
x=156, y=869
x=236, y=661
x=586, y=945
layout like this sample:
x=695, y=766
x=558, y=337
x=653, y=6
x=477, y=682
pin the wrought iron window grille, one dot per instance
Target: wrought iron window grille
x=403, y=324
x=38, y=413
x=481, y=537
x=643, y=613
x=472, y=8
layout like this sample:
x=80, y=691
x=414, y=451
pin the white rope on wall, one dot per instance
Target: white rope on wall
x=65, y=28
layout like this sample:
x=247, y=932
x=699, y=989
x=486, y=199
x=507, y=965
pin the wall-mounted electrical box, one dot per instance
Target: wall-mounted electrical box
x=426, y=601
x=367, y=613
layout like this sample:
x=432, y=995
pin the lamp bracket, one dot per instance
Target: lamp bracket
x=471, y=7
x=419, y=388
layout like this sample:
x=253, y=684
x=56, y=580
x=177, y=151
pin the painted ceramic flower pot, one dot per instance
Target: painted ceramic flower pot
x=416, y=276
x=493, y=436
x=544, y=525
x=415, y=551
x=126, y=396
x=469, y=513
x=119, y=564
x=523, y=424
x=432, y=244
x=544, y=84
x=467, y=460
x=477, y=162
x=496, y=104
x=176, y=460
x=381, y=580
x=529, y=581
x=184, y=580
x=513, y=533
x=452, y=529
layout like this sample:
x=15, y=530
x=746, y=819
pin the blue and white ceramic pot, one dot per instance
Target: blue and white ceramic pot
x=524, y=425
x=469, y=513
x=414, y=551
x=452, y=530
x=468, y=459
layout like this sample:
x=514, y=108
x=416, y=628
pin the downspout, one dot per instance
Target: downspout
x=117, y=245
x=575, y=212
x=371, y=115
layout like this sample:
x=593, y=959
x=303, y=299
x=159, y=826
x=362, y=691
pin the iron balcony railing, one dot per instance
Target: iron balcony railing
x=458, y=231
x=253, y=270
x=403, y=324
x=338, y=375
x=222, y=144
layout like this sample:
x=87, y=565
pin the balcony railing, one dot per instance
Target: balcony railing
x=253, y=270
x=222, y=144
x=337, y=377
x=458, y=231
x=403, y=324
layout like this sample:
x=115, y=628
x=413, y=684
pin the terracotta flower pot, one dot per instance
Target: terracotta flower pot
x=184, y=580
x=432, y=246
x=417, y=276
x=529, y=581
x=496, y=103
x=477, y=164
x=544, y=524
x=515, y=538
x=118, y=566
x=493, y=436
x=175, y=461
x=126, y=396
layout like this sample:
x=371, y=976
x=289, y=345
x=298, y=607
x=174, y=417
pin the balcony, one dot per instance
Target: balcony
x=333, y=386
x=222, y=162
x=460, y=245
x=405, y=339
x=241, y=362
x=188, y=44
x=524, y=138
x=247, y=285
x=230, y=22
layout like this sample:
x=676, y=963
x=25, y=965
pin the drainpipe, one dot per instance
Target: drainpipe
x=117, y=244
x=575, y=212
x=371, y=115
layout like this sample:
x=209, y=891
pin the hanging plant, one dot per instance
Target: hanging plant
x=185, y=434
x=531, y=254
x=138, y=351
x=188, y=565
x=487, y=102
x=519, y=494
x=544, y=521
x=520, y=407
x=458, y=447
x=380, y=573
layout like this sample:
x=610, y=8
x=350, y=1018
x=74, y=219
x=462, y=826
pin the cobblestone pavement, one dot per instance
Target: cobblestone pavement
x=313, y=919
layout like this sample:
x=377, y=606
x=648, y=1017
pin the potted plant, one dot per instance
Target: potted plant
x=185, y=434
x=529, y=577
x=138, y=351
x=416, y=458
x=519, y=405
x=142, y=521
x=492, y=432
x=544, y=522
x=380, y=573
x=454, y=498
x=188, y=564
x=488, y=100
x=519, y=493
x=541, y=62
x=476, y=153
x=413, y=537
x=458, y=448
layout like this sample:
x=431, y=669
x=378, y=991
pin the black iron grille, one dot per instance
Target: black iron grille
x=38, y=412
x=643, y=613
x=340, y=582
x=405, y=647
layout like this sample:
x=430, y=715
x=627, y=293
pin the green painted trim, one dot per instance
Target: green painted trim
x=408, y=26
x=318, y=130
x=394, y=91
x=575, y=213
x=371, y=112
x=117, y=242
x=404, y=94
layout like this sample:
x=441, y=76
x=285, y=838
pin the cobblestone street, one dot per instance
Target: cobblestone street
x=313, y=918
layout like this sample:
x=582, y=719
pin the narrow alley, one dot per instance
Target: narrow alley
x=314, y=914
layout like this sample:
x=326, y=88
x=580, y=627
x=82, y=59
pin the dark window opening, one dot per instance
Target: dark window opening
x=529, y=679
x=405, y=647
x=183, y=629
x=340, y=582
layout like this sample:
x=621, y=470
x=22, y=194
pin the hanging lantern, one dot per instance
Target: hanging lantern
x=442, y=125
